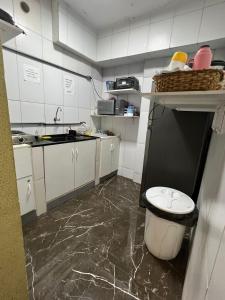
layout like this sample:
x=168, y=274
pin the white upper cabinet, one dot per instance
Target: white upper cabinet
x=185, y=29
x=213, y=23
x=138, y=40
x=75, y=35
x=159, y=35
x=53, y=85
x=30, y=80
x=11, y=75
x=120, y=44
x=104, y=48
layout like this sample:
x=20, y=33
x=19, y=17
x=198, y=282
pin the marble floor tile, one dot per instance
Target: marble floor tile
x=92, y=247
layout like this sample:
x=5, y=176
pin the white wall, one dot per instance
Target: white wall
x=37, y=102
x=132, y=131
x=205, y=273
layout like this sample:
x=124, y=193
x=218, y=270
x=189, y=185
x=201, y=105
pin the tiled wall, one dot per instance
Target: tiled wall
x=187, y=23
x=132, y=131
x=37, y=102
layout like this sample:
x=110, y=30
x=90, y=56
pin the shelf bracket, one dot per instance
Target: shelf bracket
x=219, y=120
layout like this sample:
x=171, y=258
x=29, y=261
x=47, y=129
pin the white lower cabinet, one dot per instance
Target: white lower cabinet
x=68, y=167
x=85, y=153
x=26, y=194
x=59, y=170
x=109, y=156
x=24, y=176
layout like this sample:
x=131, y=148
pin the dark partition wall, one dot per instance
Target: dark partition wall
x=176, y=149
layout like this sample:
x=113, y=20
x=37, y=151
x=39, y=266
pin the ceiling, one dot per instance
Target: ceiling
x=105, y=13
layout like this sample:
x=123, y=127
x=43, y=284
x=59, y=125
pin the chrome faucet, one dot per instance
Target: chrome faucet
x=56, y=119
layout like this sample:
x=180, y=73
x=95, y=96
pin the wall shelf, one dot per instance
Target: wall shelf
x=115, y=116
x=189, y=101
x=123, y=92
x=8, y=31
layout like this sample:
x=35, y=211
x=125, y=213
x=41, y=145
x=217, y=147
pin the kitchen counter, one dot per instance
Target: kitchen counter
x=79, y=138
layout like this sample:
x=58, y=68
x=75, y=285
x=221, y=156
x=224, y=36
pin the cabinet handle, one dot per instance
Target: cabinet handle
x=77, y=153
x=28, y=190
x=73, y=155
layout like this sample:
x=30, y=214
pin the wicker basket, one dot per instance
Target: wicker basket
x=198, y=80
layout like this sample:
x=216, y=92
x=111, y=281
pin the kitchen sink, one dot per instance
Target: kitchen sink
x=65, y=138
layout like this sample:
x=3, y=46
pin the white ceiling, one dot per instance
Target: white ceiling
x=104, y=13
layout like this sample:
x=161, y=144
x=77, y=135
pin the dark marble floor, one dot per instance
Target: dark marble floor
x=92, y=248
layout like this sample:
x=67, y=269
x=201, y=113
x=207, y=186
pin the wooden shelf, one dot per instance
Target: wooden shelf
x=8, y=31
x=124, y=92
x=114, y=116
x=189, y=101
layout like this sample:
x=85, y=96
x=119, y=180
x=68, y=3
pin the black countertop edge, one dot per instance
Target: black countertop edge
x=50, y=143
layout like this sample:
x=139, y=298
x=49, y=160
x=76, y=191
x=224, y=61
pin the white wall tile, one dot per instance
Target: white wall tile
x=30, y=91
x=104, y=48
x=14, y=111
x=142, y=129
x=34, y=129
x=54, y=129
x=213, y=23
x=129, y=155
x=71, y=115
x=85, y=116
x=159, y=35
x=46, y=18
x=69, y=61
x=7, y=5
x=31, y=20
x=84, y=67
x=120, y=44
x=11, y=75
x=71, y=99
x=138, y=40
x=185, y=29
x=50, y=112
x=51, y=52
x=139, y=158
x=30, y=43
x=84, y=93
x=53, y=85
x=32, y=112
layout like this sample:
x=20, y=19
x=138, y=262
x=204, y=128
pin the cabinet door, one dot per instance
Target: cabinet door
x=59, y=170
x=85, y=153
x=26, y=195
x=105, y=157
x=115, y=148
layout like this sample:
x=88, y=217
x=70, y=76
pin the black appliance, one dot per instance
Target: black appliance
x=120, y=106
x=176, y=150
x=126, y=83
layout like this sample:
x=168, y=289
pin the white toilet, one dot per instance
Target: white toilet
x=168, y=212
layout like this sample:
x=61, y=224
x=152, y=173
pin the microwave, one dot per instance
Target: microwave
x=106, y=107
